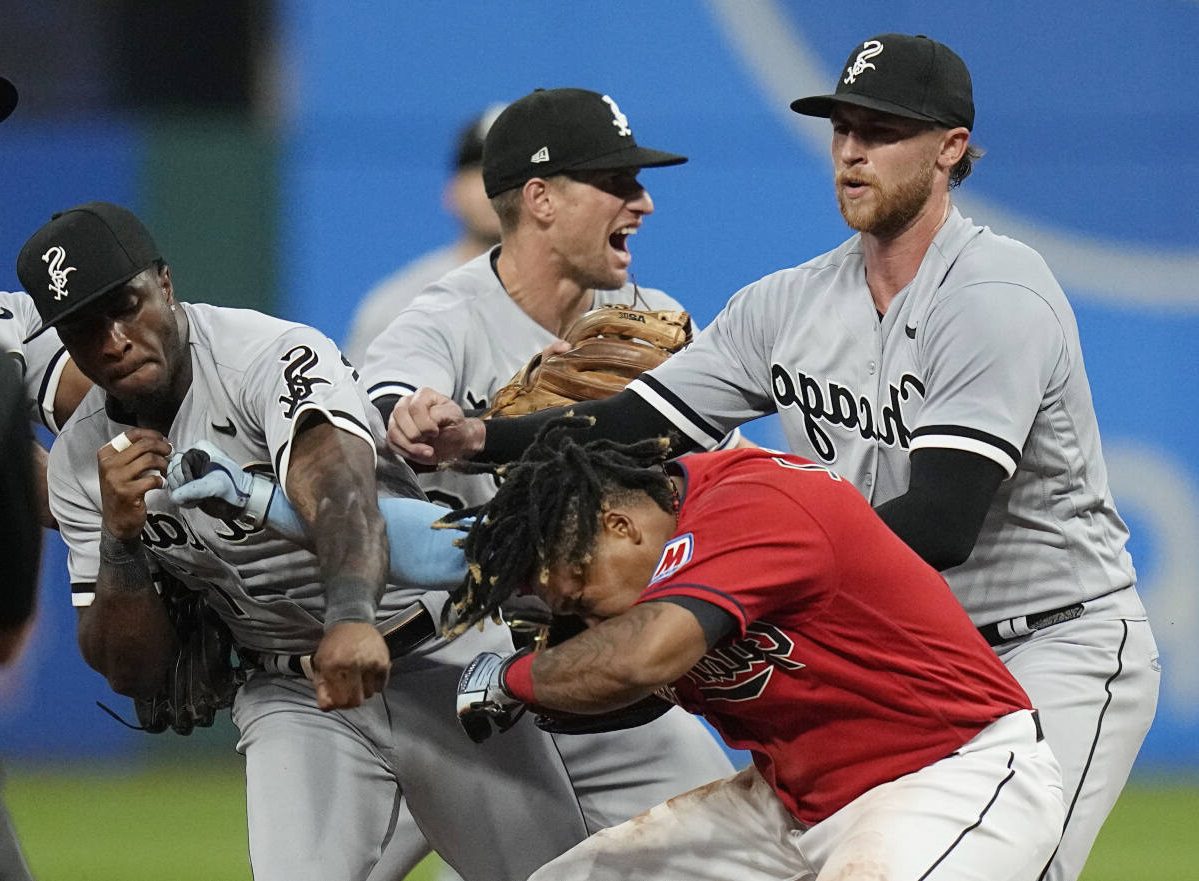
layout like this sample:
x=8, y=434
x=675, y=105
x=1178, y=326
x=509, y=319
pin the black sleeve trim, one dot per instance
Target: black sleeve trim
x=43, y=404
x=715, y=622
x=677, y=402
x=942, y=512
x=390, y=384
x=971, y=433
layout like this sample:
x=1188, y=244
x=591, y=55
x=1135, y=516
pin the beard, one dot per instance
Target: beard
x=895, y=206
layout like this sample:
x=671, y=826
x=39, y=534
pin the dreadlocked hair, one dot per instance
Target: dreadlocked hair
x=546, y=512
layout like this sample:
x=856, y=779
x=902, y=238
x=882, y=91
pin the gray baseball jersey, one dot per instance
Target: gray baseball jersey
x=980, y=352
x=465, y=337
x=389, y=297
x=42, y=359
x=499, y=810
x=941, y=369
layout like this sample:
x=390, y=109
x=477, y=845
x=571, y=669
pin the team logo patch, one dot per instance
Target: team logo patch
x=677, y=554
x=861, y=64
x=618, y=119
x=54, y=259
x=299, y=361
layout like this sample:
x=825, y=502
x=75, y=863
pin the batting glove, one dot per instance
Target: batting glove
x=482, y=698
x=206, y=478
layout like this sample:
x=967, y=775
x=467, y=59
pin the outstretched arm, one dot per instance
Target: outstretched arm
x=331, y=483
x=427, y=428
x=419, y=555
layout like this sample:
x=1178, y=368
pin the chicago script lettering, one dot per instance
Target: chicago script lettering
x=839, y=405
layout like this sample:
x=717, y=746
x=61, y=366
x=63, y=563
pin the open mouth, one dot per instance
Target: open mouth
x=619, y=240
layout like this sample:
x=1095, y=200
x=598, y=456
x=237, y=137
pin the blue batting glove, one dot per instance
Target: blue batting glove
x=205, y=477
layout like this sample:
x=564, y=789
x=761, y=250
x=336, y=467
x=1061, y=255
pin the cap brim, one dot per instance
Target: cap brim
x=630, y=157
x=66, y=314
x=822, y=106
x=8, y=98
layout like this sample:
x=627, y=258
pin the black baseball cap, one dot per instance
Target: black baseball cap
x=8, y=98
x=468, y=147
x=82, y=254
x=550, y=131
x=911, y=76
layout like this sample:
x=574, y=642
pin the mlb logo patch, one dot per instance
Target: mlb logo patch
x=675, y=556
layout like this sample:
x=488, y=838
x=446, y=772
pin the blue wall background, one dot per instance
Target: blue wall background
x=1089, y=121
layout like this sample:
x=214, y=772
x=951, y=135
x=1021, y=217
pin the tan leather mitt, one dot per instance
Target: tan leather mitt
x=611, y=346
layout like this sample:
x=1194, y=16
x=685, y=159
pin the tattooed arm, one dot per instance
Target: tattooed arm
x=125, y=634
x=331, y=484
x=619, y=661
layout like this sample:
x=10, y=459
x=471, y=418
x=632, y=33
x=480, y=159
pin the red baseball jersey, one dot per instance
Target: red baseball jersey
x=852, y=663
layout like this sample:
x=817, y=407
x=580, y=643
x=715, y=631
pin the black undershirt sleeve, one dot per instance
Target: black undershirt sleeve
x=715, y=622
x=942, y=513
x=625, y=418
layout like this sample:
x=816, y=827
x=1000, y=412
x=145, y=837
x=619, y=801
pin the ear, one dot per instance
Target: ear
x=168, y=286
x=619, y=524
x=953, y=146
x=537, y=196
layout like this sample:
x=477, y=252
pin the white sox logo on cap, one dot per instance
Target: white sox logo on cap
x=861, y=64
x=55, y=258
x=618, y=119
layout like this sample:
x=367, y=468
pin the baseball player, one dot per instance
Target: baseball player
x=327, y=757
x=560, y=166
x=888, y=740
x=937, y=366
x=39, y=381
x=53, y=385
x=464, y=198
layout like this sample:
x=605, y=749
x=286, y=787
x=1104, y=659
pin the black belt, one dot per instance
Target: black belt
x=402, y=633
x=1036, y=721
x=1013, y=628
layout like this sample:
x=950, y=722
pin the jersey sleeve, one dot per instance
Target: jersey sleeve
x=753, y=553
x=723, y=378
x=299, y=374
x=78, y=517
x=42, y=359
x=991, y=353
x=419, y=348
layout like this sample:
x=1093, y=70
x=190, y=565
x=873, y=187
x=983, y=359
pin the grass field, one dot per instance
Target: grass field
x=82, y=824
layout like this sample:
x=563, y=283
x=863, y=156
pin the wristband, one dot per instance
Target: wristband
x=517, y=678
x=258, y=501
x=349, y=598
x=120, y=553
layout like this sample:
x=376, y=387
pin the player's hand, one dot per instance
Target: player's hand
x=482, y=698
x=206, y=478
x=428, y=428
x=130, y=465
x=350, y=665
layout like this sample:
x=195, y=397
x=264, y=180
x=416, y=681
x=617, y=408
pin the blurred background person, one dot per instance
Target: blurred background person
x=465, y=199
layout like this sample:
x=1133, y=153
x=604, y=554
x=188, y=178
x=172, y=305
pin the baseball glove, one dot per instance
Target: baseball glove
x=202, y=679
x=610, y=346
